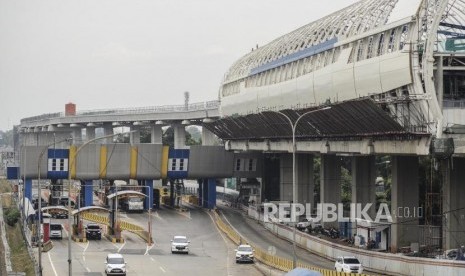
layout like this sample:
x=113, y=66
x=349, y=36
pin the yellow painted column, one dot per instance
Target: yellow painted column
x=103, y=162
x=72, y=161
x=164, y=162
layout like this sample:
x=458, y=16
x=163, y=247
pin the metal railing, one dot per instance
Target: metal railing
x=134, y=110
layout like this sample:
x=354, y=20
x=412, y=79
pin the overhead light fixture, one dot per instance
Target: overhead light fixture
x=207, y=120
x=60, y=125
x=138, y=123
x=185, y=122
x=159, y=122
x=90, y=124
x=115, y=124
x=74, y=125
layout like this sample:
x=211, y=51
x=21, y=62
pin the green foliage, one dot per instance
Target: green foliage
x=168, y=138
x=12, y=216
x=6, y=138
x=346, y=187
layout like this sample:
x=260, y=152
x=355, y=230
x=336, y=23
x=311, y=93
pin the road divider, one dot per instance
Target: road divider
x=133, y=228
x=263, y=256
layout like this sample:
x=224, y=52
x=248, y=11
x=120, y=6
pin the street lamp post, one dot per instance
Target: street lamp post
x=294, y=186
x=72, y=162
x=39, y=204
x=149, y=240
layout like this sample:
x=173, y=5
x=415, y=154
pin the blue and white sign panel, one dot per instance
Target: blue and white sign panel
x=58, y=163
x=178, y=161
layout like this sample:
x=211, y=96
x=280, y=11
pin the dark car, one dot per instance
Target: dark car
x=60, y=215
x=93, y=231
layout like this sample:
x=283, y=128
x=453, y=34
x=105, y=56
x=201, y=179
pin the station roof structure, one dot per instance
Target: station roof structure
x=355, y=118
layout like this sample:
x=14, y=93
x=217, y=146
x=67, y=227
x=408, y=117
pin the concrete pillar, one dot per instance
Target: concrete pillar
x=453, y=203
x=90, y=133
x=363, y=182
x=148, y=191
x=28, y=189
x=179, y=136
x=44, y=138
x=211, y=194
x=108, y=130
x=330, y=182
x=87, y=196
x=208, y=138
x=404, y=201
x=134, y=137
x=76, y=134
x=304, y=178
x=285, y=183
x=156, y=134
x=200, y=190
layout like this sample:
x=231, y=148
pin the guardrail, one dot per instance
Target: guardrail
x=269, y=259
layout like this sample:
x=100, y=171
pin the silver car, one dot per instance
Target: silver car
x=180, y=244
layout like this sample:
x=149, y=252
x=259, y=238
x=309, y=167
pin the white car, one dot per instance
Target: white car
x=115, y=265
x=244, y=253
x=180, y=244
x=348, y=265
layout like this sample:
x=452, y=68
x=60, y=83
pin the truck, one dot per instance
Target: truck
x=132, y=204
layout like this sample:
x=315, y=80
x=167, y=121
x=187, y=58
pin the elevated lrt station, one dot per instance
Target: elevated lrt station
x=376, y=86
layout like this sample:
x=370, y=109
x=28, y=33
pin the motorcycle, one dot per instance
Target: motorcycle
x=333, y=233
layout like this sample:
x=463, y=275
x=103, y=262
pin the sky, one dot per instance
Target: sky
x=104, y=54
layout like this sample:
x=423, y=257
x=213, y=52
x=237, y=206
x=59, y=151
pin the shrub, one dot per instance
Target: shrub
x=12, y=216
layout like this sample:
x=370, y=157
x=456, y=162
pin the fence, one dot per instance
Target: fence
x=269, y=259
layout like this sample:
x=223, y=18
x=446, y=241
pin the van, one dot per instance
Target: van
x=56, y=231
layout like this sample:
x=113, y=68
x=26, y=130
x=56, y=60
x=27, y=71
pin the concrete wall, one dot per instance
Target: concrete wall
x=384, y=263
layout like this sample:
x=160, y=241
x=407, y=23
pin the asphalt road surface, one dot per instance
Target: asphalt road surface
x=211, y=253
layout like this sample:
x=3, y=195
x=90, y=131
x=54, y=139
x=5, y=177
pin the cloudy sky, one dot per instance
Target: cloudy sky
x=129, y=53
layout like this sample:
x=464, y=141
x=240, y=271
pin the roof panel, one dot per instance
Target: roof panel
x=357, y=118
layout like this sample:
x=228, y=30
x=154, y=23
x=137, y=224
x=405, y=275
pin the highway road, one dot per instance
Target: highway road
x=211, y=253
x=260, y=236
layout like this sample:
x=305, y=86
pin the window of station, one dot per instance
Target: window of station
x=370, y=47
x=403, y=37
x=392, y=41
x=454, y=85
x=238, y=164
x=380, y=51
x=360, y=51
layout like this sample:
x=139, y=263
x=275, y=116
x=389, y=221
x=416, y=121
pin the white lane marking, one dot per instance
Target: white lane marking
x=148, y=248
x=158, y=216
x=161, y=268
x=228, y=265
x=84, y=252
x=122, y=246
x=153, y=260
x=51, y=263
x=88, y=269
